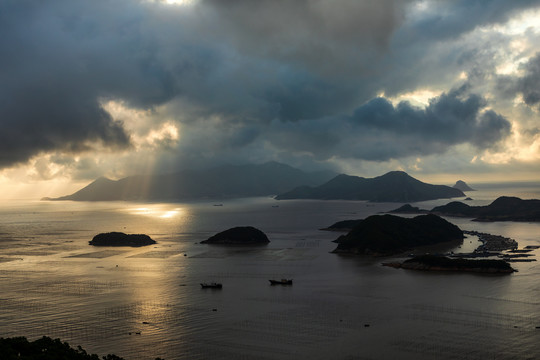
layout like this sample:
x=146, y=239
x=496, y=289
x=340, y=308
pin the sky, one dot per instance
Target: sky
x=444, y=90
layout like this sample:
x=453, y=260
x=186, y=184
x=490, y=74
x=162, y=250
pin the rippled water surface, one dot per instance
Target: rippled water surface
x=140, y=303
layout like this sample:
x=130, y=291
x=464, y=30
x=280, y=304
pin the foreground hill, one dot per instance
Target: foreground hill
x=221, y=182
x=395, y=186
x=382, y=235
x=504, y=208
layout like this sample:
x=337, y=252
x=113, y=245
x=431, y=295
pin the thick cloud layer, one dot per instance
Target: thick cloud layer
x=380, y=131
x=253, y=79
x=529, y=84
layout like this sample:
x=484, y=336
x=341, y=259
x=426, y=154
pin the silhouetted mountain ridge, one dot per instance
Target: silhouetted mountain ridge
x=394, y=186
x=504, y=208
x=220, y=182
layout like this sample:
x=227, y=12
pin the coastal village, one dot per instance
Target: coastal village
x=498, y=246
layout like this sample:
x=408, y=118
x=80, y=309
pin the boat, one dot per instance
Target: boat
x=212, y=285
x=281, y=282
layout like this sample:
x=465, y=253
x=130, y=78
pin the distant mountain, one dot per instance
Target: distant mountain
x=220, y=182
x=408, y=209
x=504, y=208
x=382, y=235
x=462, y=185
x=395, y=186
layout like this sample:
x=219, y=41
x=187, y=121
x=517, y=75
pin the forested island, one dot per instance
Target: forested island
x=121, y=239
x=383, y=235
x=241, y=235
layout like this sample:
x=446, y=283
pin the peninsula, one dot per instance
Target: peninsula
x=241, y=235
x=383, y=235
x=395, y=186
x=121, y=239
x=443, y=263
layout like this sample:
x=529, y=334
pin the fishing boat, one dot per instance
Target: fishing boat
x=212, y=285
x=281, y=282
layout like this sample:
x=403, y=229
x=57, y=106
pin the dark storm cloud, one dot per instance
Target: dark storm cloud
x=529, y=84
x=61, y=58
x=279, y=72
x=49, y=90
x=436, y=43
x=380, y=131
x=449, y=119
x=526, y=84
x=307, y=30
x=448, y=19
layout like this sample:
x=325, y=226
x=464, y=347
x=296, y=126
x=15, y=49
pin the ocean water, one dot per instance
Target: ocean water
x=141, y=303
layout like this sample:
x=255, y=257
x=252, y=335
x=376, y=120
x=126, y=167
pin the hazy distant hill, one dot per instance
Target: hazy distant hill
x=220, y=182
x=462, y=185
x=395, y=186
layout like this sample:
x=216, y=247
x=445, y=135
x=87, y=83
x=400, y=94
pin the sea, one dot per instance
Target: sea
x=147, y=302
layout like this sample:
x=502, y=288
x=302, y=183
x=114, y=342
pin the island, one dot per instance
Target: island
x=241, y=235
x=443, y=263
x=408, y=209
x=384, y=235
x=121, y=239
x=504, y=208
x=395, y=186
x=462, y=185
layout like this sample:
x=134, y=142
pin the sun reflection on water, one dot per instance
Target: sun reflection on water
x=158, y=211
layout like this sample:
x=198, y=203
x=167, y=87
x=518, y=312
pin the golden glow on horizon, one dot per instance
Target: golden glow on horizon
x=519, y=147
x=24, y=189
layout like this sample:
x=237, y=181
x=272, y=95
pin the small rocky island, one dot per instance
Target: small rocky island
x=443, y=263
x=241, y=235
x=462, y=185
x=384, y=235
x=121, y=239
